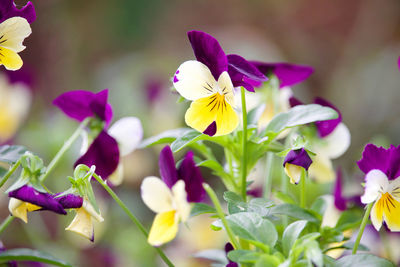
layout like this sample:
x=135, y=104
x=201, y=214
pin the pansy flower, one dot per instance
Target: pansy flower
x=295, y=162
x=110, y=144
x=14, y=28
x=171, y=195
x=27, y=199
x=209, y=82
x=82, y=223
x=332, y=139
x=382, y=185
x=15, y=101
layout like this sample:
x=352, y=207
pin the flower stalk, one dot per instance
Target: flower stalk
x=6, y=223
x=244, y=143
x=131, y=216
x=9, y=173
x=303, y=199
x=362, y=227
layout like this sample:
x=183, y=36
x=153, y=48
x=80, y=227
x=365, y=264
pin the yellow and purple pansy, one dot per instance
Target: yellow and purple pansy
x=382, y=185
x=332, y=140
x=170, y=196
x=14, y=28
x=209, y=82
x=110, y=144
x=295, y=162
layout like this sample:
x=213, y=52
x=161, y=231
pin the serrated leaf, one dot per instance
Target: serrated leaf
x=25, y=254
x=364, y=260
x=295, y=212
x=11, y=154
x=299, y=115
x=251, y=226
x=290, y=235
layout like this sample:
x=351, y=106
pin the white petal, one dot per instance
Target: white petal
x=321, y=170
x=180, y=200
x=128, y=132
x=193, y=80
x=336, y=143
x=82, y=224
x=13, y=31
x=156, y=194
x=293, y=172
x=89, y=209
x=17, y=209
x=285, y=94
x=225, y=87
x=85, y=143
x=394, y=188
x=331, y=214
x=117, y=176
x=376, y=183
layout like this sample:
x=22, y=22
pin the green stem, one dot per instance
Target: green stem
x=221, y=215
x=9, y=173
x=244, y=143
x=63, y=149
x=362, y=227
x=268, y=174
x=284, y=189
x=303, y=188
x=6, y=223
x=131, y=216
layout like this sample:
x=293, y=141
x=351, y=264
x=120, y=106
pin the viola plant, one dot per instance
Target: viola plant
x=256, y=145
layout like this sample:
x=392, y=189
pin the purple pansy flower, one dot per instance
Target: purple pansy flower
x=295, y=162
x=81, y=104
x=382, y=186
x=228, y=248
x=171, y=195
x=26, y=199
x=8, y=10
x=209, y=82
x=287, y=73
x=339, y=201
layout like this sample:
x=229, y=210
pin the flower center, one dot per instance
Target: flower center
x=217, y=101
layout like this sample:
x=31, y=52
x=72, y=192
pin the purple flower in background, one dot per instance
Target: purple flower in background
x=288, y=74
x=81, y=104
x=26, y=199
x=382, y=185
x=228, y=248
x=295, y=162
x=171, y=195
x=8, y=10
x=209, y=82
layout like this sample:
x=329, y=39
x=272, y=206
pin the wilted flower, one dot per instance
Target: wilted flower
x=171, y=195
x=14, y=28
x=382, y=169
x=209, y=83
x=296, y=161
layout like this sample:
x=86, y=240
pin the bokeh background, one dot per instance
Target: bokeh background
x=133, y=47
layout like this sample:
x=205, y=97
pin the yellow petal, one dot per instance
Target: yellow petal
x=391, y=211
x=207, y=110
x=20, y=208
x=10, y=59
x=82, y=224
x=13, y=32
x=164, y=228
x=377, y=215
x=294, y=172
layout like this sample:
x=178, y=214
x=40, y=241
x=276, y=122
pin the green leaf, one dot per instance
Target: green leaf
x=11, y=154
x=267, y=261
x=251, y=226
x=284, y=197
x=349, y=219
x=349, y=245
x=295, y=212
x=254, y=115
x=24, y=254
x=201, y=208
x=185, y=139
x=164, y=137
x=290, y=235
x=260, y=206
x=215, y=255
x=217, y=169
x=364, y=260
x=299, y=115
x=319, y=206
x=235, y=202
x=244, y=256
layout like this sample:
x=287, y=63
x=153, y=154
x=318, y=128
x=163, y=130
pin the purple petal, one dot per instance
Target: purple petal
x=100, y=107
x=211, y=129
x=75, y=104
x=208, y=51
x=340, y=201
x=154, y=86
x=103, y=153
x=326, y=127
x=168, y=170
x=288, y=74
x=293, y=101
x=386, y=160
x=298, y=157
x=70, y=201
x=9, y=10
x=243, y=73
x=23, y=75
x=44, y=200
x=398, y=63
x=190, y=173
x=228, y=248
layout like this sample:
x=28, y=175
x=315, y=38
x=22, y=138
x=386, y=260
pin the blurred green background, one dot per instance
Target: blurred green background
x=125, y=45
